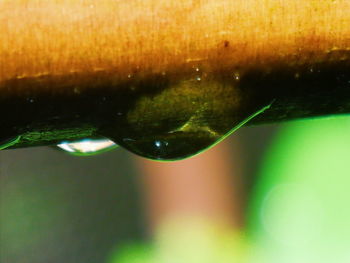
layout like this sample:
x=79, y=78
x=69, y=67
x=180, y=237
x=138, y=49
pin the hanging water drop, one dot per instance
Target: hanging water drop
x=87, y=147
x=167, y=119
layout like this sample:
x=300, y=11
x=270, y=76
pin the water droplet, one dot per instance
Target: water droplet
x=30, y=100
x=76, y=90
x=87, y=147
x=172, y=120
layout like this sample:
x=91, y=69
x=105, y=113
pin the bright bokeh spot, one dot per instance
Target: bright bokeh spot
x=301, y=207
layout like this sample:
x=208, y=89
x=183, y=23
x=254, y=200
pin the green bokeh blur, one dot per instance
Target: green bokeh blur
x=300, y=210
x=59, y=208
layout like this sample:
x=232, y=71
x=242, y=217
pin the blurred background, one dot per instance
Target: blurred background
x=270, y=193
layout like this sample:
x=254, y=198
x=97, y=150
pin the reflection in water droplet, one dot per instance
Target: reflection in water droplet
x=30, y=100
x=87, y=147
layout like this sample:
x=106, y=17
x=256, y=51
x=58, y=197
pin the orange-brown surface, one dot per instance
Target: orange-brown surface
x=61, y=37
